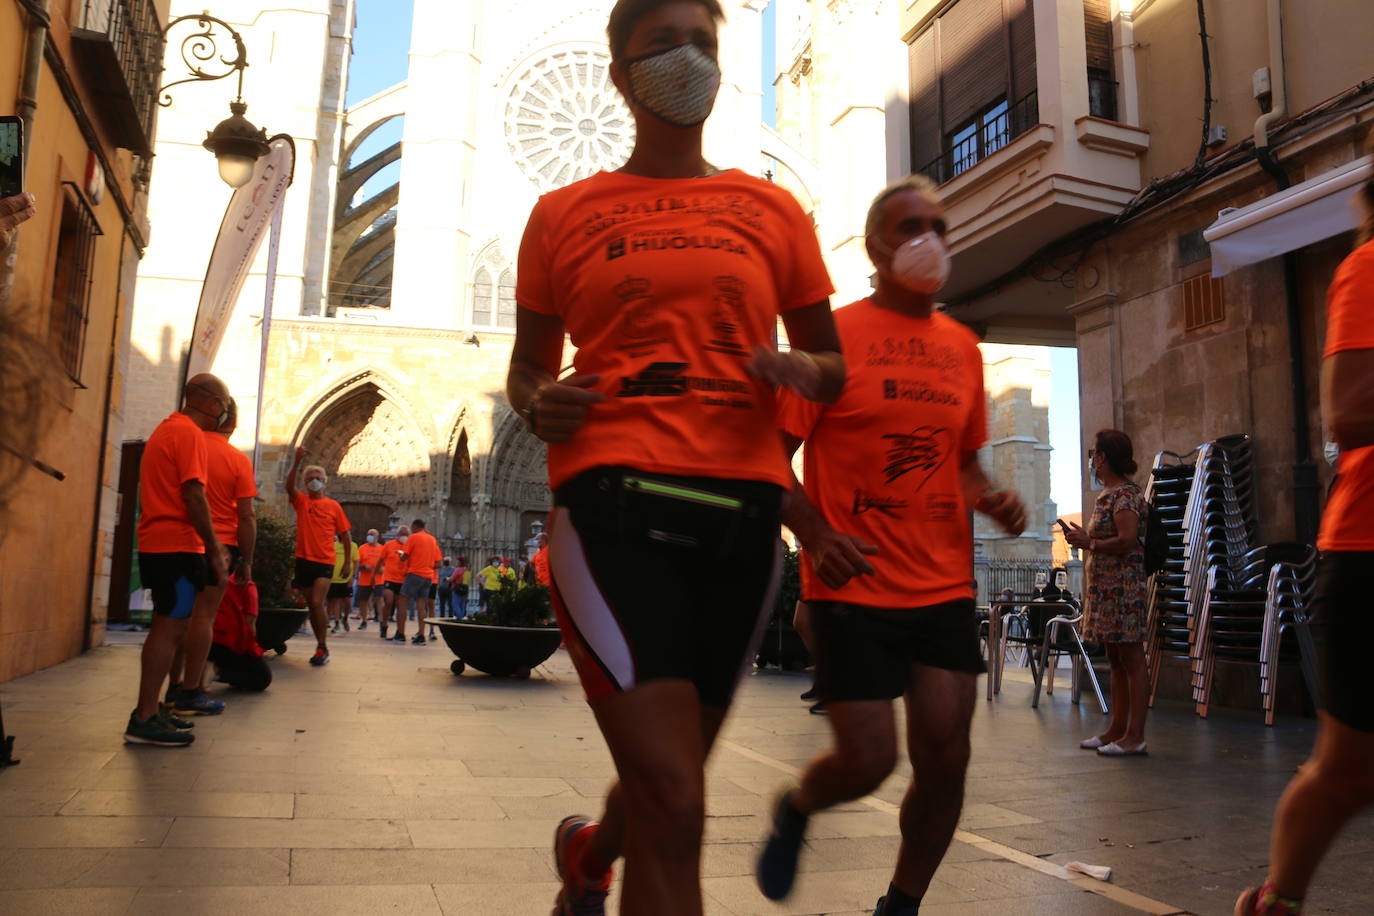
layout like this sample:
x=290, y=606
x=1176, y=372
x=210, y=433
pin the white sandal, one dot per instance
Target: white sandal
x=1116, y=750
x=1091, y=744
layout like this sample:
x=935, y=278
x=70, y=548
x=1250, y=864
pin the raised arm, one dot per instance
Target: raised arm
x=301, y=455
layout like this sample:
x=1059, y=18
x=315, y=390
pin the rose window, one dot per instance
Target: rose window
x=565, y=119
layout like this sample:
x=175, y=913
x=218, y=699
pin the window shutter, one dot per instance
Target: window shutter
x=925, y=100
x=1021, y=22
x=1097, y=22
x=973, y=57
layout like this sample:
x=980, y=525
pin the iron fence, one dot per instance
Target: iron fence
x=994, y=130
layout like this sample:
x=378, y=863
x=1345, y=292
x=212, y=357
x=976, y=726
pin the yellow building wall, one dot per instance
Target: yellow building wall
x=49, y=610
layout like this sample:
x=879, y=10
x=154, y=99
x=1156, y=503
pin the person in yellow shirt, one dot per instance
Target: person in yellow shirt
x=340, y=594
x=489, y=580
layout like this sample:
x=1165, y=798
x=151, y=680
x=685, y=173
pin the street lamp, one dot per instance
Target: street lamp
x=236, y=143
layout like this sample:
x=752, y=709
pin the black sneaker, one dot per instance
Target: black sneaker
x=882, y=909
x=155, y=730
x=383, y=633
x=810, y=694
x=399, y=637
x=418, y=640
x=818, y=708
x=776, y=869
x=177, y=721
x=173, y=691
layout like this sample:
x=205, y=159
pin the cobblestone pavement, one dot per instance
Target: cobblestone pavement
x=383, y=784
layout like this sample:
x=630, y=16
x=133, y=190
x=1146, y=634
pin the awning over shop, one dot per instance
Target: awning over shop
x=1304, y=214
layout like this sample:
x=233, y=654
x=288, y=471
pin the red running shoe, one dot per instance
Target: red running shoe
x=579, y=896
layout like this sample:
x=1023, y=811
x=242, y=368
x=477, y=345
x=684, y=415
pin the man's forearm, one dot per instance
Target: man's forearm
x=198, y=510
x=799, y=514
x=248, y=538
x=523, y=380
x=973, y=482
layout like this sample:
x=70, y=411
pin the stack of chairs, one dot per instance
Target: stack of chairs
x=1216, y=530
x=1244, y=621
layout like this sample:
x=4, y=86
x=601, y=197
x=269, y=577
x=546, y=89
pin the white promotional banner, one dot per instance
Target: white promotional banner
x=240, y=236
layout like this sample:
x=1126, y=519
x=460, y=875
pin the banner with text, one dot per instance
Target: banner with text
x=240, y=236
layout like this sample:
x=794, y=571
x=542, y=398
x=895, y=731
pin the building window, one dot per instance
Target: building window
x=119, y=43
x=481, y=298
x=1203, y=302
x=69, y=310
x=1097, y=27
x=505, y=301
x=973, y=87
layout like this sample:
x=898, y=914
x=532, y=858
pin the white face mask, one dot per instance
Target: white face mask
x=677, y=86
x=403, y=538
x=314, y=486
x=1331, y=452
x=922, y=264
x=372, y=538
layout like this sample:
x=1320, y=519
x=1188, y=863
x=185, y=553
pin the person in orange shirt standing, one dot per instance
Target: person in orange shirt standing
x=393, y=576
x=369, y=578
x=669, y=275
x=892, y=472
x=540, y=561
x=1337, y=781
x=178, y=551
x=230, y=491
x=318, y=520
x=422, y=558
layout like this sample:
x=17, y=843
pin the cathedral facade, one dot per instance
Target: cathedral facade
x=393, y=308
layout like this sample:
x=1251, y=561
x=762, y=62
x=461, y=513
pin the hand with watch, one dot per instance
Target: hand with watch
x=559, y=408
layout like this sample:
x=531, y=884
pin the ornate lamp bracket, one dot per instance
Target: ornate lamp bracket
x=201, y=53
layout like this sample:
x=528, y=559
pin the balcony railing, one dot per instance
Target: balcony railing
x=120, y=43
x=996, y=128
x=1101, y=95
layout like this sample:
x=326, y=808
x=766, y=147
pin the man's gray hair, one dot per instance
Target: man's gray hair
x=918, y=183
x=312, y=469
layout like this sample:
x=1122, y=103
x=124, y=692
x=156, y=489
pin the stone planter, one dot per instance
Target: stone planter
x=278, y=624
x=499, y=651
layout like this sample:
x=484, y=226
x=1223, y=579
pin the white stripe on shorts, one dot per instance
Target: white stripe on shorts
x=584, y=603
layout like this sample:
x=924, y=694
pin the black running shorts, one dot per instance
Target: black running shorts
x=174, y=580
x=663, y=577
x=339, y=590
x=866, y=653
x=1340, y=603
x=394, y=587
x=308, y=571
x=363, y=593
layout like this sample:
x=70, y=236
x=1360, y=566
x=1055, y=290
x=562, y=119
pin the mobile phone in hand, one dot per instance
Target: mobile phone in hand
x=1063, y=525
x=11, y=155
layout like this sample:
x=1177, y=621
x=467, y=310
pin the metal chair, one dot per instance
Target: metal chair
x=1030, y=618
x=1052, y=647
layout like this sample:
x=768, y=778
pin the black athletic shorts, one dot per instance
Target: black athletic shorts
x=866, y=653
x=174, y=579
x=308, y=571
x=658, y=577
x=433, y=590
x=1340, y=604
x=394, y=587
x=363, y=594
x=339, y=590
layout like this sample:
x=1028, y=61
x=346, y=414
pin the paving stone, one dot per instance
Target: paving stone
x=64, y=832
x=100, y=803
x=92, y=901
x=414, y=900
x=296, y=833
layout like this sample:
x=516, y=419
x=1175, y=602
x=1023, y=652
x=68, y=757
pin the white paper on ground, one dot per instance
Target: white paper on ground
x=1100, y=872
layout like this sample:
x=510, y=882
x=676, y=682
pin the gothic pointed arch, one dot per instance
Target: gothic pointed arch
x=511, y=481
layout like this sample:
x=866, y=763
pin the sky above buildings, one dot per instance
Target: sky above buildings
x=381, y=46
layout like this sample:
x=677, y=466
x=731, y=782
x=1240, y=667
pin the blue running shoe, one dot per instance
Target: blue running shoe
x=777, y=865
x=196, y=703
x=321, y=657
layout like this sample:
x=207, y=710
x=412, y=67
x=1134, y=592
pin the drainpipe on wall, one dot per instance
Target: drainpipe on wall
x=26, y=104
x=1304, y=469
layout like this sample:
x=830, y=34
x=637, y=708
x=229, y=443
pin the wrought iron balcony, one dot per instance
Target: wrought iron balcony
x=119, y=48
x=994, y=129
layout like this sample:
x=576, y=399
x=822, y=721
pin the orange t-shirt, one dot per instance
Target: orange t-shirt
x=231, y=479
x=175, y=453
x=370, y=555
x=422, y=552
x=1348, y=522
x=665, y=286
x=541, y=566
x=317, y=521
x=394, y=568
x=882, y=463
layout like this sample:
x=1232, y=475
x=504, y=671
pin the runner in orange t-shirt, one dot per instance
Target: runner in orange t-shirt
x=422, y=558
x=318, y=520
x=892, y=472
x=178, y=552
x=370, y=581
x=669, y=275
x=230, y=490
x=393, y=574
x=1337, y=781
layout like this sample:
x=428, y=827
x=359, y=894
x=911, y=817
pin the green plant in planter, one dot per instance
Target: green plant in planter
x=274, y=559
x=517, y=607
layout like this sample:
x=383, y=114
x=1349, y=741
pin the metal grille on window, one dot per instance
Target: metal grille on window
x=1203, y=302
x=71, y=284
x=131, y=35
x=1097, y=25
x=481, y=298
x=505, y=303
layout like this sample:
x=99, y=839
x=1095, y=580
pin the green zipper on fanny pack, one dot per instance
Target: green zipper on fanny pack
x=683, y=493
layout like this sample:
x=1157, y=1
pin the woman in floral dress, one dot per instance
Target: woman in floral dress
x=1114, y=604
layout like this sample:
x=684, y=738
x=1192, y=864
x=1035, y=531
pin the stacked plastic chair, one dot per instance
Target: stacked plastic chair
x=1215, y=532
x=1247, y=624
